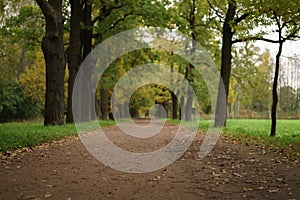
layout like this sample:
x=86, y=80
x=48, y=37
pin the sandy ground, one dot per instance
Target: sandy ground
x=65, y=170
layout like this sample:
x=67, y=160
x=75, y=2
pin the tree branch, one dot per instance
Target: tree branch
x=106, y=13
x=289, y=21
x=120, y=20
x=216, y=27
x=241, y=18
x=46, y=8
x=254, y=38
x=292, y=35
x=114, y=24
x=216, y=11
x=277, y=20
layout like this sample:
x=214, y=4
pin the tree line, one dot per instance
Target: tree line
x=68, y=31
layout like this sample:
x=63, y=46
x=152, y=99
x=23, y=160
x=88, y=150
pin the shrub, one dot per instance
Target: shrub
x=14, y=105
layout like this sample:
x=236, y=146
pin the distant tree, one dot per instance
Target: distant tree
x=250, y=80
x=33, y=81
x=115, y=17
x=193, y=14
x=287, y=99
x=19, y=36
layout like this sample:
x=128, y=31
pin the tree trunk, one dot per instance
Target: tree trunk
x=86, y=46
x=181, y=114
x=188, y=73
x=97, y=107
x=87, y=30
x=221, y=108
x=104, y=104
x=238, y=109
x=232, y=110
x=74, y=53
x=126, y=110
x=53, y=49
x=174, y=105
x=189, y=104
x=274, y=90
x=173, y=96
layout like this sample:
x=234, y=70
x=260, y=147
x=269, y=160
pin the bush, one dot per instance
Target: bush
x=14, y=105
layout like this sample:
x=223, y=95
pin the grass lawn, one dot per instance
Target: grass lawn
x=257, y=131
x=28, y=134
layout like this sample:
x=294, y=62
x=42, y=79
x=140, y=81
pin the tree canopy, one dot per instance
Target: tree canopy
x=68, y=31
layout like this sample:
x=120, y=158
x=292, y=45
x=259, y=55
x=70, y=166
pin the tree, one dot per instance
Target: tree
x=188, y=72
x=20, y=64
x=287, y=98
x=231, y=15
x=20, y=34
x=250, y=81
x=32, y=81
x=255, y=14
x=285, y=16
x=114, y=17
x=173, y=96
x=53, y=49
x=282, y=23
x=73, y=52
x=227, y=17
x=193, y=14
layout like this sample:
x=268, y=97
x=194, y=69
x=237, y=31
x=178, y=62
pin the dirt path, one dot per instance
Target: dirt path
x=64, y=170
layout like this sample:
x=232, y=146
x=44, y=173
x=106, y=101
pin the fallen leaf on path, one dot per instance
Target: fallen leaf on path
x=273, y=191
x=50, y=186
x=236, y=174
x=279, y=179
x=216, y=175
x=22, y=196
x=48, y=194
x=246, y=189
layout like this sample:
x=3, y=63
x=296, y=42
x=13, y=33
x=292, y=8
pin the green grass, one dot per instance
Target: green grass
x=29, y=134
x=257, y=132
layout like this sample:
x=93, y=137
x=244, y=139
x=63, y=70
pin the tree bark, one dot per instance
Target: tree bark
x=221, y=108
x=188, y=73
x=87, y=30
x=173, y=95
x=126, y=110
x=53, y=49
x=174, y=105
x=189, y=104
x=104, y=104
x=181, y=113
x=86, y=47
x=74, y=53
x=274, y=90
